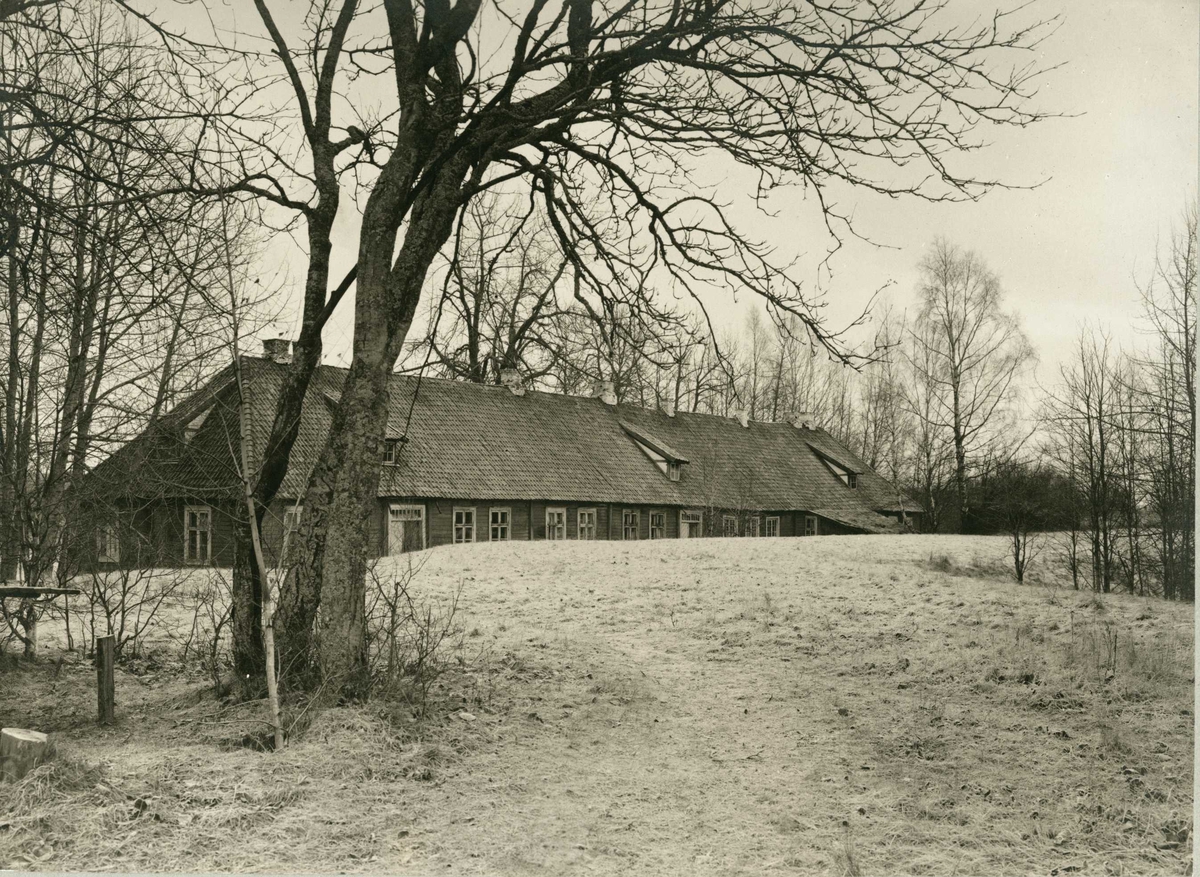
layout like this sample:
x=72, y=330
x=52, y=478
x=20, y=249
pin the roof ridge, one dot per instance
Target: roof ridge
x=553, y=394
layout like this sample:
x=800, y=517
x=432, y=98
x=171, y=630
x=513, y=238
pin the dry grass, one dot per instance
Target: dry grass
x=845, y=705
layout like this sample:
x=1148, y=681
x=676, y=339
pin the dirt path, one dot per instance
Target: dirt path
x=731, y=707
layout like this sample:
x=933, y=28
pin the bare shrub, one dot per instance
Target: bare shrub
x=1023, y=499
x=128, y=603
x=411, y=642
x=940, y=563
x=210, y=599
x=1024, y=547
x=1069, y=556
x=847, y=857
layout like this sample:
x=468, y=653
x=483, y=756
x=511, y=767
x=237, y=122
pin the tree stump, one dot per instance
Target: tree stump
x=21, y=751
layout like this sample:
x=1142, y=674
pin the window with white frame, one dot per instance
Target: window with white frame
x=658, y=525
x=391, y=450
x=556, y=523
x=810, y=525
x=772, y=526
x=498, y=520
x=587, y=524
x=630, y=518
x=673, y=470
x=755, y=525
x=108, y=544
x=729, y=525
x=197, y=529
x=291, y=518
x=464, y=525
x=291, y=526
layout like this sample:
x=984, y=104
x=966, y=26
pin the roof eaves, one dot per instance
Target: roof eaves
x=867, y=521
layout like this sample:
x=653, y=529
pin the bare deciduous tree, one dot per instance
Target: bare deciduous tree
x=1082, y=414
x=597, y=114
x=500, y=296
x=970, y=354
x=1122, y=433
x=1169, y=303
x=106, y=263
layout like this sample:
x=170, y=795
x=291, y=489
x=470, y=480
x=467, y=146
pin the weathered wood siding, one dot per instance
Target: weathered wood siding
x=153, y=534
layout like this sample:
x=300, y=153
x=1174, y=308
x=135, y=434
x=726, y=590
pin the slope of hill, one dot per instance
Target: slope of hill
x=871, y=704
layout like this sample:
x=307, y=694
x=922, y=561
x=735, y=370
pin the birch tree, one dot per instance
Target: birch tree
x=971, y=354
x=931, y=462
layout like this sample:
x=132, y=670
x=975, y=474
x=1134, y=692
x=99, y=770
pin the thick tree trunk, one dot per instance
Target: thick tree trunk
x=331, y=570
x=330, y=574
x=349, y=482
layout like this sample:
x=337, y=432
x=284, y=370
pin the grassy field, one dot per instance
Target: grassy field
x=850, y=705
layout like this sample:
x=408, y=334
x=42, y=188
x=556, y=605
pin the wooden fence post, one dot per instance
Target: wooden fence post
x=105, y=683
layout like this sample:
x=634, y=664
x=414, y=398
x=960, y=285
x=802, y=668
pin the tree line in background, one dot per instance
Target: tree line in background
x=942, y=405
x=1120, y=429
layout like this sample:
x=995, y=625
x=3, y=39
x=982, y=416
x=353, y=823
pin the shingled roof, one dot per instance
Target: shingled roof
x=485, y=442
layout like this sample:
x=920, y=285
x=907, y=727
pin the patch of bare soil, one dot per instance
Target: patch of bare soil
x=839, y=705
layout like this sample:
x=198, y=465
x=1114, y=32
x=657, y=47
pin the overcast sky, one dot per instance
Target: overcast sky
x=1119, y=171
x=1115, y=173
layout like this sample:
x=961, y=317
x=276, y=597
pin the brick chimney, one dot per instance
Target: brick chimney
x=669, y=408
x=277, y=350
x=743, y=417
x=606, y=392
x=511, y=378
x=803, y=420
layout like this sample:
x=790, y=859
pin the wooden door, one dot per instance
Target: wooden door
x=690, y=525
x=406, y=528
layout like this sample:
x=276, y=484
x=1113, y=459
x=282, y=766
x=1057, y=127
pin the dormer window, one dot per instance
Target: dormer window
x=848, y=478
x=844, y=473
x=193, y=426
x=391, y=450
x=668, y=461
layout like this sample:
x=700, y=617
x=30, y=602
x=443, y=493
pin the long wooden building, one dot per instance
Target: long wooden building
x=470, y=463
